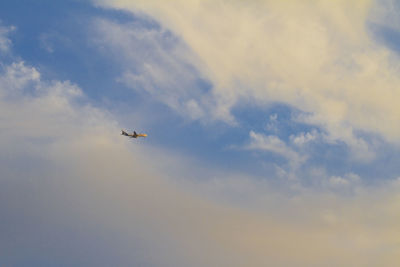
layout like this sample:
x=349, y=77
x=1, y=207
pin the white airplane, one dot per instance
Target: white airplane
x=133, y=135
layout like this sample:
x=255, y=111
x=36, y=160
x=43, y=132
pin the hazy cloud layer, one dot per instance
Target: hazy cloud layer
x=84, y=196
x=74, y=192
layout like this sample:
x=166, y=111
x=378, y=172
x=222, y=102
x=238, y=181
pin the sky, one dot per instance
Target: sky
x=273, y=134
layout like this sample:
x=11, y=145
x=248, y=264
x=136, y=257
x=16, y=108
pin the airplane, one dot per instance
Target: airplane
x=133, y=135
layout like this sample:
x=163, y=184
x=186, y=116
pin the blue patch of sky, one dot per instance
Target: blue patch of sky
x=383, y=32
x=385, y=35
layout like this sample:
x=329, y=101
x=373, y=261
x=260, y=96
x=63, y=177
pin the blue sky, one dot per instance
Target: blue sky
x=247, y=106
x=61, y=44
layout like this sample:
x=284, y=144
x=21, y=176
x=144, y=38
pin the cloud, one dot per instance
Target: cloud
x=303, y=138
x=344, y=181
x=274, y=144
x=73, y=191
x=317, y=57
x=5, y=42
x=272, y=124
x=155, y=64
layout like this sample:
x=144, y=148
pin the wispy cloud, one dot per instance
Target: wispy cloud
x=156, y=63
x=274, y=144
x=5, y=42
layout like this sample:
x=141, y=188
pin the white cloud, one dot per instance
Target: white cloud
x=46, y=42
x=272, y=124
x=304, y=138
x=5, y=42
x=155, y=63
x=361, y=149
x=338, y=181
x=274, y=144
x=348, y=182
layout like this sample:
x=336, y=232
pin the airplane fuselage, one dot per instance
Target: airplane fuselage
x=133, y=135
